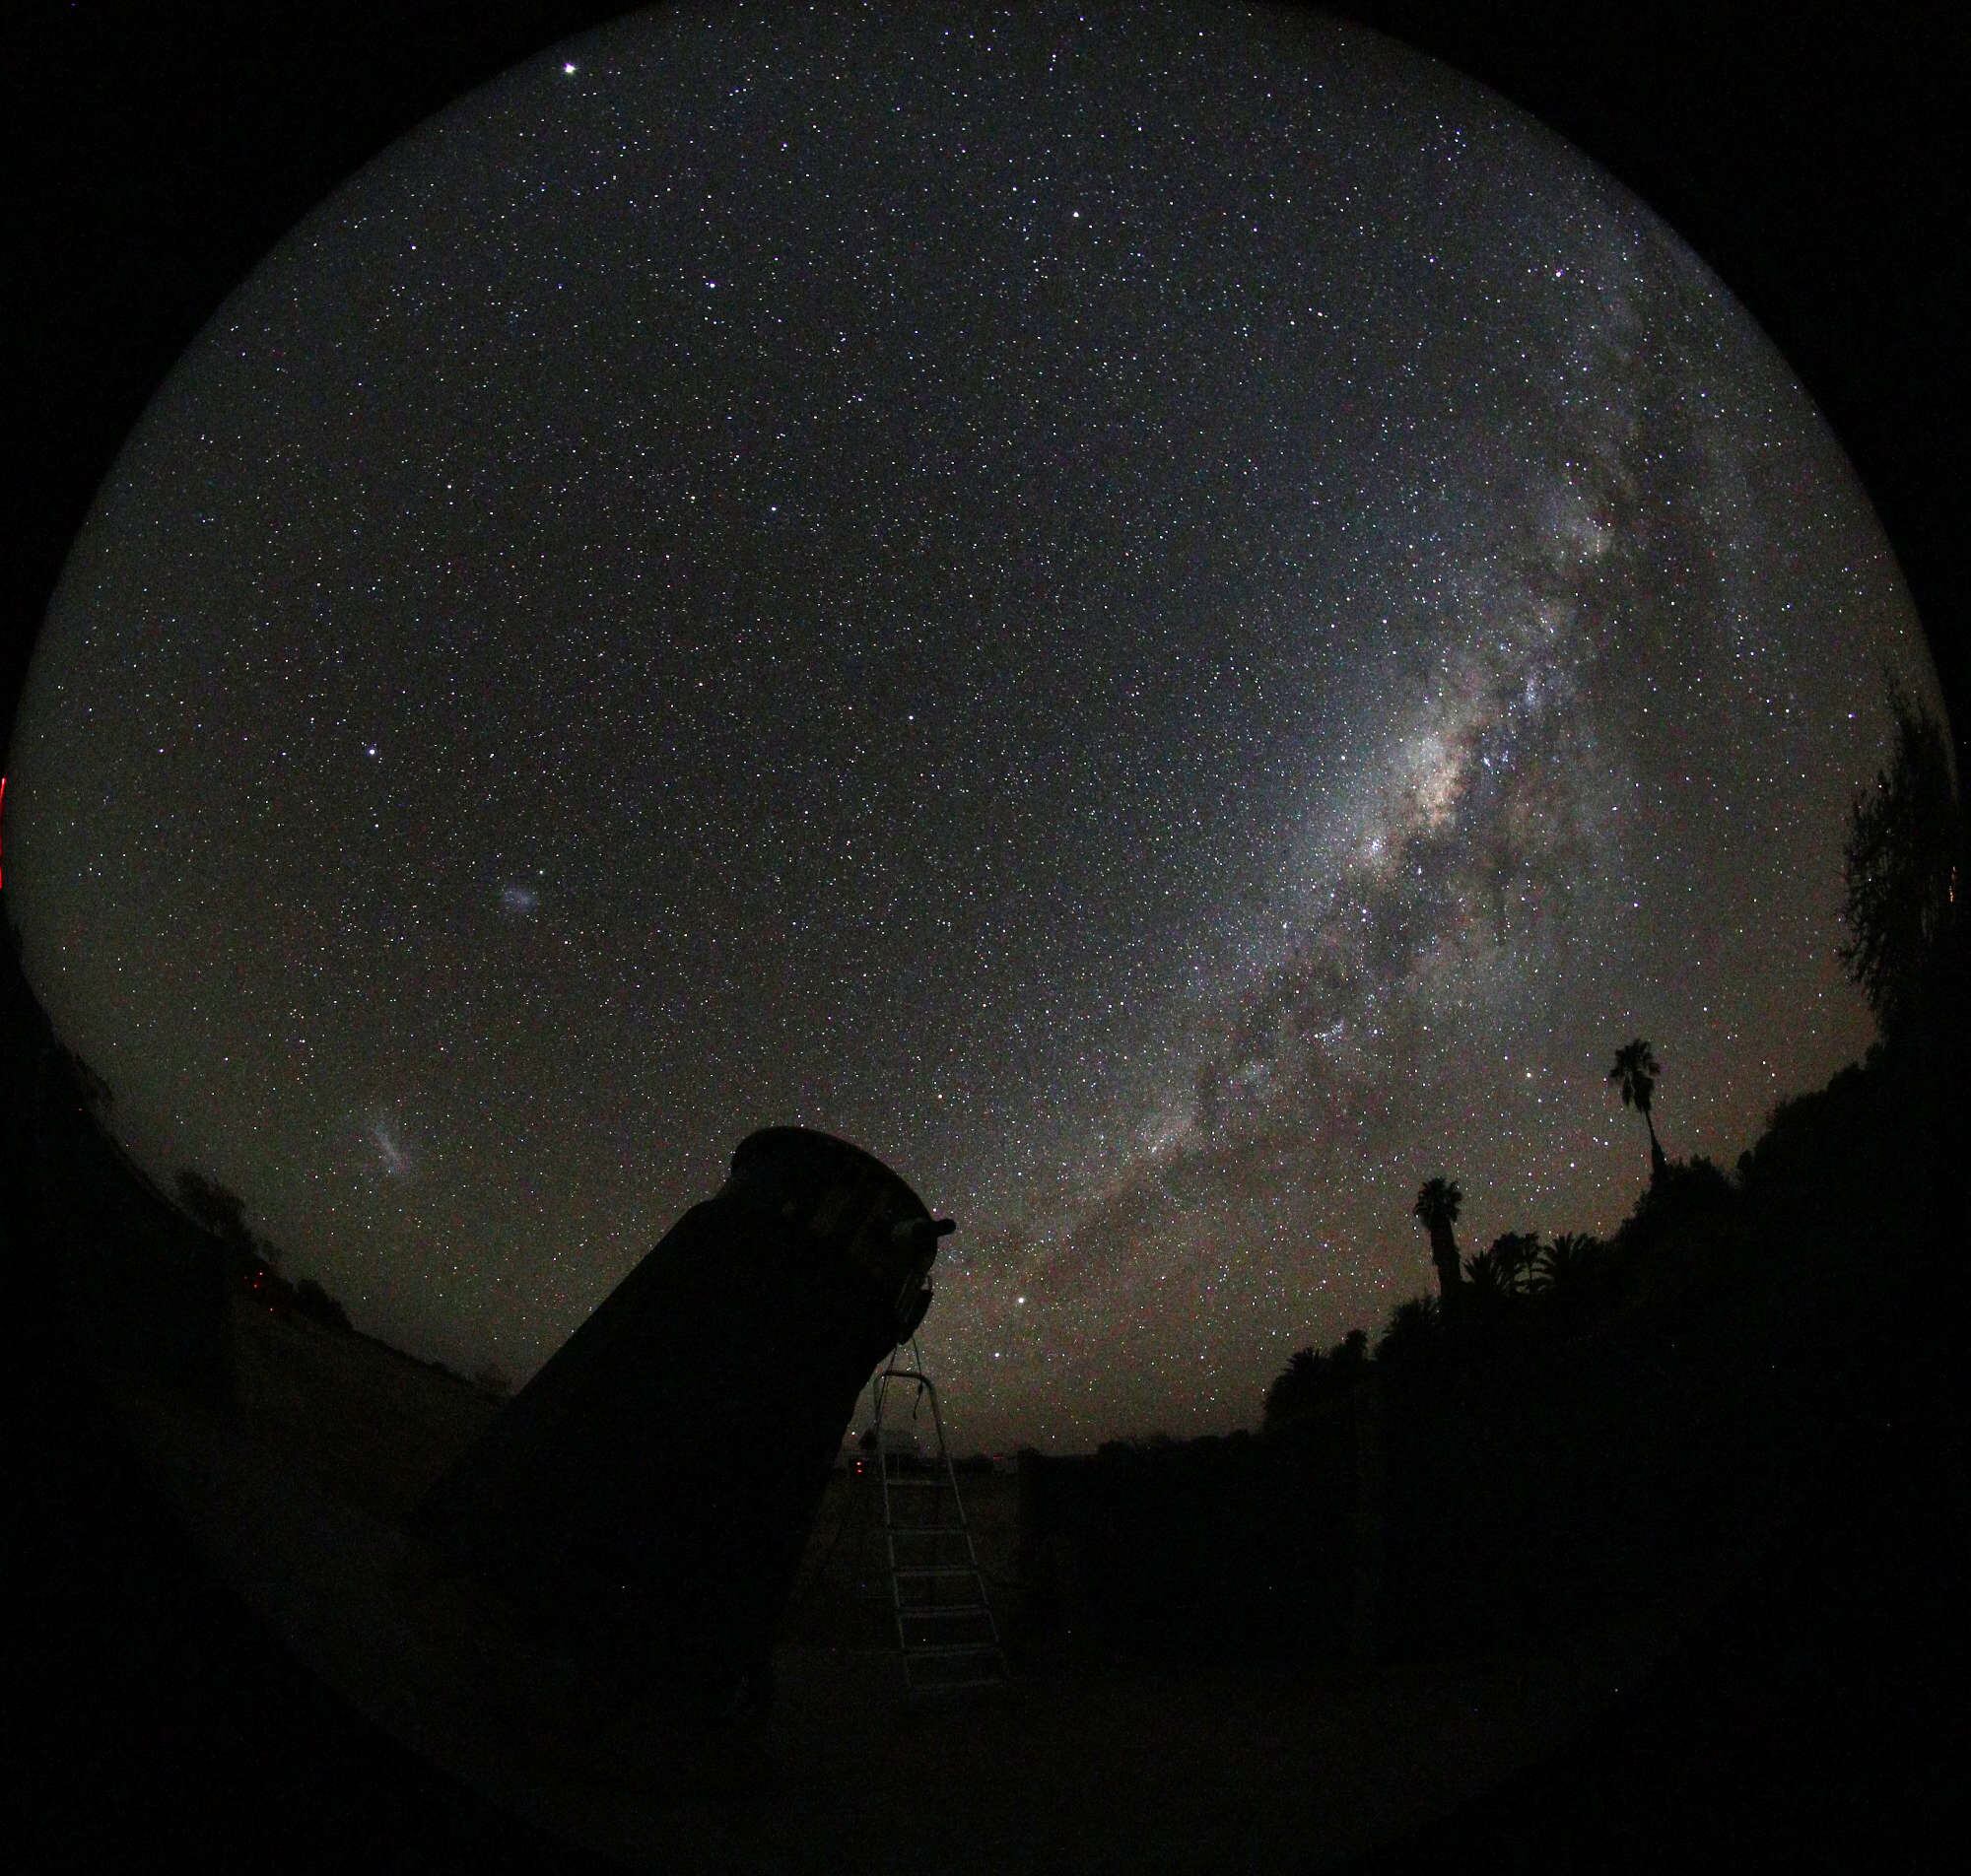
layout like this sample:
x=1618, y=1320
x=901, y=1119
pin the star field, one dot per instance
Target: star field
x=1176, y=622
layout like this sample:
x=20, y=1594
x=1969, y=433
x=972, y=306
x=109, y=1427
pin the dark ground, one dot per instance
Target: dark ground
x=1803, y=1722
x=295, y=1497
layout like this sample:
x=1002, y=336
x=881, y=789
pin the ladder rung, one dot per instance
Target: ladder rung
x=928, y=1530
x=915, y=1485
x=944, y=1651
x=935, y=1570
x=952, y=1687
x=944, y=1612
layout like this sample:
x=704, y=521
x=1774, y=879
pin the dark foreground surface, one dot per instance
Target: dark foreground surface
x=1090, y=1761
x=182, y=1699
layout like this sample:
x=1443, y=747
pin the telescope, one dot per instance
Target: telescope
x=646, y=1498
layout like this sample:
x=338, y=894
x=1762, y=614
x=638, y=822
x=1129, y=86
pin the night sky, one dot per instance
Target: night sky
x=1174, y=621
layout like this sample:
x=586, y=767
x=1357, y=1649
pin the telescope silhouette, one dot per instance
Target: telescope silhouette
x=646, y=1498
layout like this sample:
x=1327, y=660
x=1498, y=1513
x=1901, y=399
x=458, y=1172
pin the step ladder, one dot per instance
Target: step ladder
x=946, y=1634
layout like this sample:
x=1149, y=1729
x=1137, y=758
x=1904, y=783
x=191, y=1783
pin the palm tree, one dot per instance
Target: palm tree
x=1637, y=1071
x=1487, y=1283
x=1436, y=1209
x=1296, y=1390
x=1411, y=1327
x=1564, y=1263
x=1516, y=1253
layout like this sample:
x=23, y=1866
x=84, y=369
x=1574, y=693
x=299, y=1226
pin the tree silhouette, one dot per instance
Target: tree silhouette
x=1636, y=1069
x=1297, y=1388
x=221, y=1212
x=1516, y=1254
x=1900, y=868
x=1309, y=1379
x=1411, y=1327
x=1485, y=1281
x=1564, y=1264
x=315, y=1303
x=1436, y=1209
x=1684, y=1191
x=215, y=1208
x=1504, y=1268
